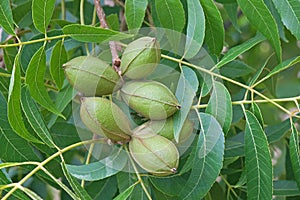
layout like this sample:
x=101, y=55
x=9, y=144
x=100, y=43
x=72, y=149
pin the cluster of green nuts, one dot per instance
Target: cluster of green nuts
x=150, y=144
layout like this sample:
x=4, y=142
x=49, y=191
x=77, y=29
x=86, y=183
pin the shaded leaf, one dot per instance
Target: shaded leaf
x=258, y=160
x=256, y=111
x=185, y=93
x=261, y=18
x=219, y=105
x=103, y=189
x=236, y=69
x=9, y=55
x=290, y=15
x=135, y=13
x=113, y=22
x=14, y=108
x=22, y=14
x=58, y=58
x=42, y=11
x=85, y=33
x=79, y=191
x=102, y=169
x=35, y=81
x=295, y=153
x=234, y=52
x=32, y=194
x=195, y=28
x=208, y=159
x=286, y=188
x=232, y=12
x=125, y=194
x=6, y=17
x=170, y=14
x=34, y=117
x=214, y=31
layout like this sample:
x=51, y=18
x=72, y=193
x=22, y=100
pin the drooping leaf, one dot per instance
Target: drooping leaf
x=102, y=169
x=13, y=148
x=232, y=12
x=35, y=81
x=258, y=160
x=208, y=159
x=14, y=108
x=42, y=11
x=295, y=153
x=261, y=18
x=34, y=117
x=170, y=14
x=185, y=93
x=79, y=191
x=219, y=105
x=214, y=31
x=234, y=52
x=135, y=13
x=290, y=15
x=195, y=28
x=6, y=17
x=58, y=58
x=85, y=33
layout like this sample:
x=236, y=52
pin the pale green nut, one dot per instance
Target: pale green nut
x=103, y=117
x=92, y=76
x=154, y=153
x=140, y=58
x=151, y=99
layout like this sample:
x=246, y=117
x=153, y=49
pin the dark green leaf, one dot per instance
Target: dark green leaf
x=23, y=14
x=236, y=69
x=14, y=108
x=258, y=160
x=135, y=13
x=295, y=153
x=85, y=33
x=35, y=81
x=259, y=71
x=79, y=191
x=125, y=194
x=103, y=189
x=286, y=188
x=9, y=55
x=102, y=169
x=58, y=58
x=195, y=28
x=208, y=159
x=232, y=12
x=256, y=111
x=185, y=93
x=238, y=50
x=214, y=31
x=32, y=194
x=261, y=18
x=42, y=11
x=170, y=14
x=64, y=134
x=219, y=105
x=6, y=17
x=34, y=117
x=290, y=15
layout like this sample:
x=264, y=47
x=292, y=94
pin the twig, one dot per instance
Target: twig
x=116, y=61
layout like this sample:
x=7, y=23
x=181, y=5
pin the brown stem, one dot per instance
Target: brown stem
x=116, y=61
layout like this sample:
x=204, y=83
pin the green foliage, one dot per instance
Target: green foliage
x=218, y=60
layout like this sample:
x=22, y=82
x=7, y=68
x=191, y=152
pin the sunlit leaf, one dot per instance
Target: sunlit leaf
x=135, y=13
x=6, y=17
x=258, y=160
x=42, y=11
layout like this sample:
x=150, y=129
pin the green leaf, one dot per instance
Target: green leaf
x=258, y=160
x=34, y=117
x=113, y=21
x=135, y=13
x=79, y=191
x=125, y=194
x=58, y=58
x=236, y=69
x=234, y=52
x=256, y=111
x=295, y=153
x=195, y=28
x=286, y=188
x=6, y=17
x=103, y=189
x=208, y=159
x=261, y=18
x=14, y=108
x=9, y=55
x=42, y=11
x=32, y=194
x=22, y=14
x=85, y=33
x=290, y=15
x=232, y=12
x=214, y=32
x=170, y=14
x=13, y=148
x=35, y=81
x=102, y=169
x=219, y=105
x=64, y=134
x=185, y=93
x=259, y=71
